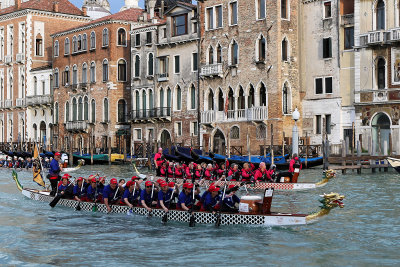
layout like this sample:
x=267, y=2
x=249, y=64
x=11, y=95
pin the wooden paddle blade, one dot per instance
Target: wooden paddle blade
x=54, y=202
x=94, y=209
x=78, y=207
x=218, y=220
x=192, y=221
x=165, y=218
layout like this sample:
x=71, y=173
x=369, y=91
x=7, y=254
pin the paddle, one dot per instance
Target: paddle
x=151, y=196
x=130, y=211
x=57, y=198
x=218, y=215
x=78, y=207
x=192, y=220
x=94, y=209
x=165, y=217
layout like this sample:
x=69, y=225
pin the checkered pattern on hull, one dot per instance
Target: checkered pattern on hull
x=173, y=215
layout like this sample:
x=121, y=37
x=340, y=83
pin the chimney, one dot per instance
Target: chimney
x=162, y=9
x=151, y=7
x=84, y=11
x=18, y=4
x=55, y=6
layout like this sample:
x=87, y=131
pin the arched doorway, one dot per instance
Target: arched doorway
x=43, y=132
x=219, y=143
x=380, y=134
x=165, y=139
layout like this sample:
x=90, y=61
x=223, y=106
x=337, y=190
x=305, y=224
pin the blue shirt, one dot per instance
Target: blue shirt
x=77, y=190
x=130, y=196
x=147, y=197
x=186, y=199
x=165, y=197
x=210, y=202
x=54, y=168
x=62, y=188
x=231, y=201
x=91, y=192
x=109, y=193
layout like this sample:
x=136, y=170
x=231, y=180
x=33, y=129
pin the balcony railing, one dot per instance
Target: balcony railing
x=8, y=103
x=250, y=114
x=77, y=126
x=208, y=116
x=162, y=77
x=257, y=114
x=143, y=114
x=373, y=38
x=39, y=100
x=381, y=96
x=20, y=102
x=211, y=70
x=395, y=34
x=347, y=19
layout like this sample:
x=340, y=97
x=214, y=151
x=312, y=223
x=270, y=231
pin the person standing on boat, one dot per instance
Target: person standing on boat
x=148, y=196
x=294, y=163
x=54, y=173
x=211, y=200
x=158, y=160
x=110, y=196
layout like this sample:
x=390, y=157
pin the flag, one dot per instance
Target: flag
x=37, y=168
x=226, y=105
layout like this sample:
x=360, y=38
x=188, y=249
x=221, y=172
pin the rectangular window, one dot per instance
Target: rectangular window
x=284, y=13
x=164, y=32
x=177, y=64
x=180, y=25
x=194, y=25
x=327, y=10
x=218, y=15
x=194, y=62
x=137, y=39
x=318, y=86
x=261, y=9
x=194, y=128
x=327, y=48
x=328, y=124
x=318, y=124
x=328, y=85
x=39, y=46
x=234, y=13
x=210, y=18
x=178, y=129
x=138, y=134
x=348, y=38
x=148, y=38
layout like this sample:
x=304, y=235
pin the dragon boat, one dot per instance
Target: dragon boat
x=253, y=210
x=72, y=169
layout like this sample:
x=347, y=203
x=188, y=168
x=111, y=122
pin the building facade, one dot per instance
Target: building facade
x=249, y=73
x=25, y=49
x=164, y=84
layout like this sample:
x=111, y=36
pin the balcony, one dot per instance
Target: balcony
x=162, y=77
x=374, y=38
x=161, y=114
x=257, y=114
x=211, y=70
x=83, y=86
x=8, y=59
x=20, y=102
x=250, y=114
x=395, y=35
x=347, y=20
x=39, y=100
x=8, y=103
x=77, y=126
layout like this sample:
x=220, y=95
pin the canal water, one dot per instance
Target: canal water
x=364, y=233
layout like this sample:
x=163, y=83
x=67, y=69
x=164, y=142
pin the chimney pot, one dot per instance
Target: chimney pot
x=55, y=7
x=18, y=4
x=84, y=11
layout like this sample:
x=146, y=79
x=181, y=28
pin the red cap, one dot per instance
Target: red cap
x=129, y=183
x=66, y=175
x=163, y=183
x=93, y=180
x=188, y=185
x=231, y=186
x=80, y=179
x=113, y=181
x=159, y=181
x=134, y=178
x=296, y=158
x=91, y=176
x=213, y=189
x=148, y=183
x=102, y=179
x=57, y=154
x=171, y=184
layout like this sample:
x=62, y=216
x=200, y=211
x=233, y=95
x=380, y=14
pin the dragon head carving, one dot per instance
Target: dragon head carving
x=332, y=200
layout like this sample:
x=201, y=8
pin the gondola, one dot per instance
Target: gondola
x=254, y=210
x=395, y=163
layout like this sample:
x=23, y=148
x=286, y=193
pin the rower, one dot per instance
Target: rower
x=247, y=172
x=110, y=193
x=171, y=170
x=164, y=196
x=199, y=172
x=64, y=189
x=208, y=174
x=185, y=200
x=92, y=190
x=211, y=200
x=261, y=173
x=130, y=195
x=220, y=170
x=234, y=173
x=271, y=173
x=231, y=200
x=158, y=160
x=148, y=196
x=163, y=170
x=178, y=171
x=54, y=173
x=189, y=170
x=79, y=189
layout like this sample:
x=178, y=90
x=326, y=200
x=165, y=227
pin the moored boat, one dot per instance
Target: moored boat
x=395, y=163
x=248, y=215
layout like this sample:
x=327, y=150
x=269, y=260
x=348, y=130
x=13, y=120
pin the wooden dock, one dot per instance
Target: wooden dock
x=354, y=163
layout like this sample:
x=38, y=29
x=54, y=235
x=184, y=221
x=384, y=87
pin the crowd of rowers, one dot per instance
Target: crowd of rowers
x=17, y=162
x=159, y=194
x=247, y=173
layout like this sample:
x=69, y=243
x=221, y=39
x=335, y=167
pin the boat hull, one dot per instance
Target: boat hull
x=273, y=219
x=395, y=163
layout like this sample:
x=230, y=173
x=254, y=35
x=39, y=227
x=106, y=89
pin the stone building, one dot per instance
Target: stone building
x=377, y=75
x=249, y=73
x=92, y=95
x=327, y=69
x=97, y=8
x=25, y=50
x=164, y=84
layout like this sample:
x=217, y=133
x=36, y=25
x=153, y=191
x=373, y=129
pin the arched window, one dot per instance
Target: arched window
x=220, y=100
x=210, y=100
x=381, y=71
x=285, y=52
x=84, y=73
x=137, y=102
x=192, y=92
x=93, y=111
x=56, y=49
x=169, y=101
x=105, y=37
x=67, y=111
x=122, y=70
x=74, y=44
x=261, y=48
x=66, y=76
x=55, y=113
x=105, y=70
x=39, y=45
x=66, y=46
x=74, y=75
x=235, y=132
x=150, y=65
x=121, y=37
x=231, y=101
x=263, y=95
x=286, y=99
x=151, y=105
x=219, y=53
x=92, y=72
x=121, y=110
x=35, y=86
x=144, y=102
x=74, y=110
x=241, y=99
x=92, y=40
x=105, y=110
x=380, y=15
x=79, y=42
x=161, y=98
x=210, y=55
x=56, y=78
x=234, y=53
x=137, y=66
x=80, y=109
x=84, y=42
x=178, y=98
x=86, y=108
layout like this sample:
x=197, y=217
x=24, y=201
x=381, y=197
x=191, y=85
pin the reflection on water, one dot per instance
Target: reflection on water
x=365, y=232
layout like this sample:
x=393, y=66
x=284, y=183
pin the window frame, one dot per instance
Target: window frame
x=148, y=64
x=175, y=64
x=258, y=5
x=287, y=9
x=230, y=13
x=197, y=62
x=107, y=63
x=330, y=52
x=118, y=70
x=174, y=25
x=105, y=42
x=323, y=78
x=56, y=48
x=125, y=42
x=67, y=44
x=325, y=3
x=92, y=37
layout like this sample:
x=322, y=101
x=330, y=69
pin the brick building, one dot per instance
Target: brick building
x=249, y=73
x=92, y=93
x=164, y=84
x=25, y=47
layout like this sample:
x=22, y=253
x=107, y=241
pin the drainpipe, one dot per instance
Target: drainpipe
x=198, y=72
